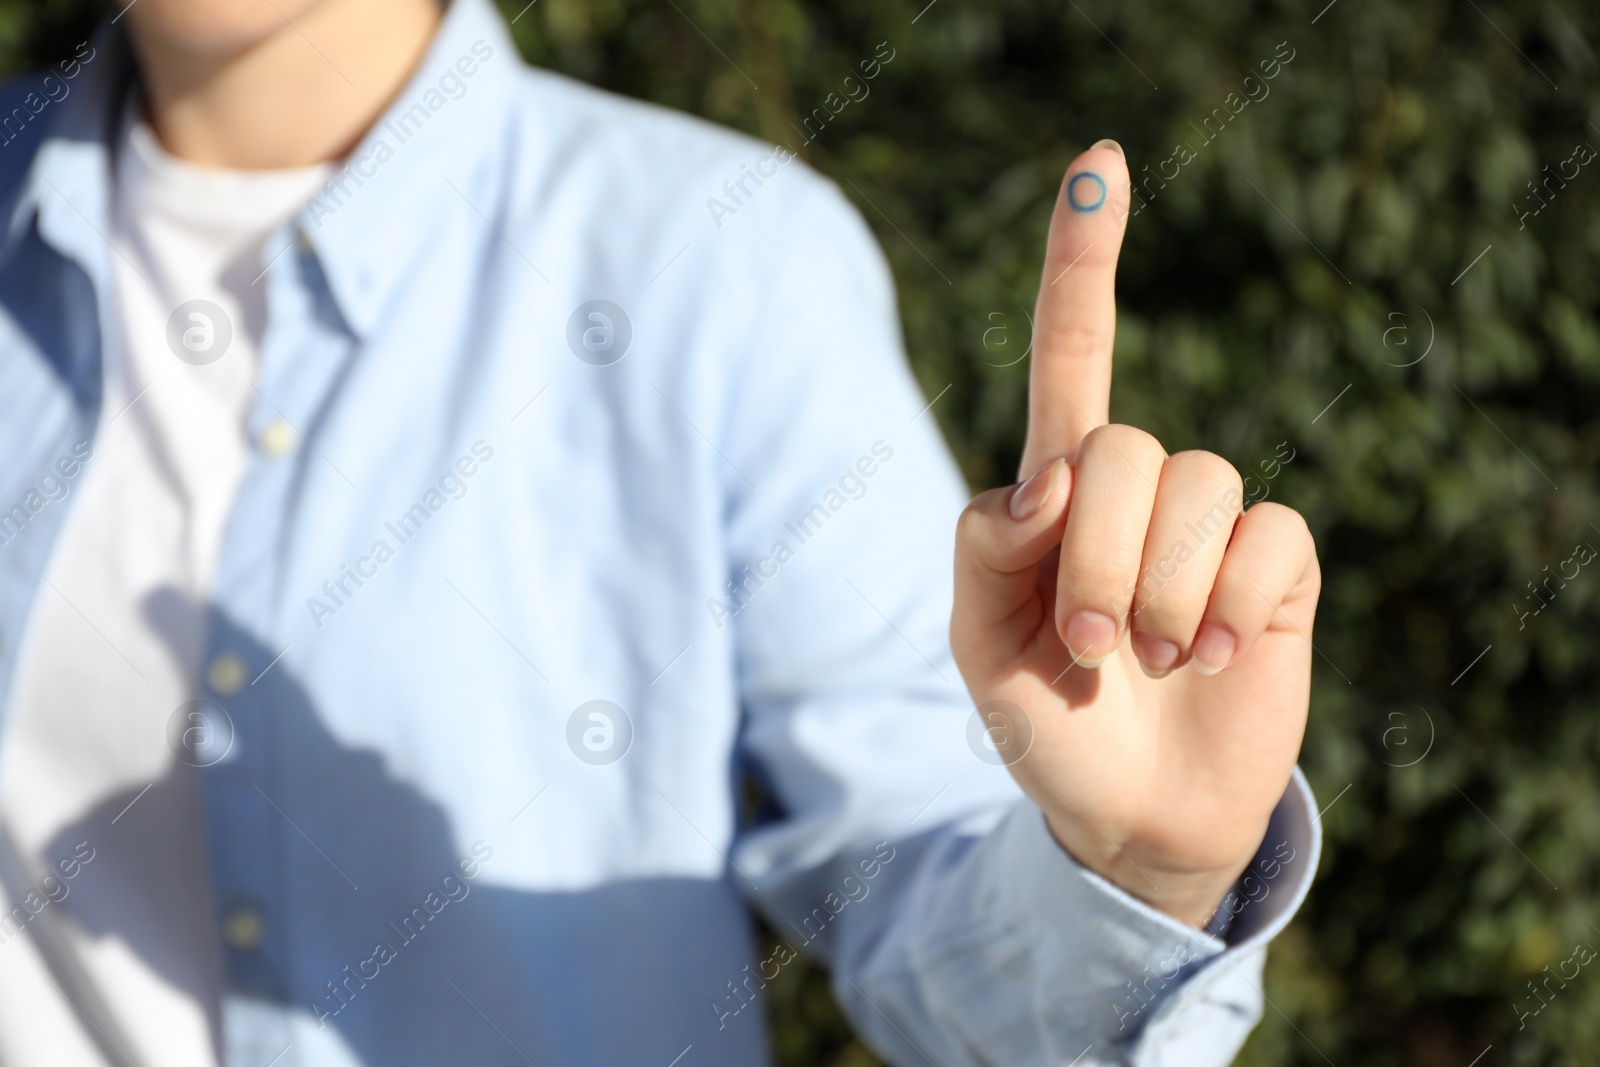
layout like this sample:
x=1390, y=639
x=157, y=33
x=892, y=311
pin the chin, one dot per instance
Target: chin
x=217, y=25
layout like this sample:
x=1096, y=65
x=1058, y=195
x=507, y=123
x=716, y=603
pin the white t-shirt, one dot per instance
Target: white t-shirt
x=113, y=645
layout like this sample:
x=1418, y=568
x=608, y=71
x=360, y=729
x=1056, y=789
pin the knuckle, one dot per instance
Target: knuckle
x=971, y=522
x=1216, y=475
x=1286, y=522
x=976, y=525
x=1134, y=444
x=1071, y=341
x=1296, y=533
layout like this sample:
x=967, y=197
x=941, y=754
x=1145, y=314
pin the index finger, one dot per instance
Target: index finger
x=1075, y=322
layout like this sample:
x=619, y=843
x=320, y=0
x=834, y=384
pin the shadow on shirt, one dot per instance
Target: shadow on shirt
x=358, y=889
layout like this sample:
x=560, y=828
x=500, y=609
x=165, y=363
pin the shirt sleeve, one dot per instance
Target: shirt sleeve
x=891, y=844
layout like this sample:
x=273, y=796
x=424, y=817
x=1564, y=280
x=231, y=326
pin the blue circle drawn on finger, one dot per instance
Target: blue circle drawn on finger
x=1072, y=186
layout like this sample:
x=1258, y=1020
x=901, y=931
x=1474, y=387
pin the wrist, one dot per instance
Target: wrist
x=1190, y=896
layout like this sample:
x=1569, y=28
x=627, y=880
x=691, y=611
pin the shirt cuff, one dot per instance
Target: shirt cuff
x=1119, y=974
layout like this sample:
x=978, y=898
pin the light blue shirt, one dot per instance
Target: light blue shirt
x=615, y=494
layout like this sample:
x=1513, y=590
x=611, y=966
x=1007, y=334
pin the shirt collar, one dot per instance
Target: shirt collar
x=68, y=181
x=369, y=224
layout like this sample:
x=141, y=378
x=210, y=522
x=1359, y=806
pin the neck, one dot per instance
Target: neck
x=302, y=93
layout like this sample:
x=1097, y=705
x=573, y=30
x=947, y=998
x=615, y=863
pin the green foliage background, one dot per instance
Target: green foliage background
x=1256, y=288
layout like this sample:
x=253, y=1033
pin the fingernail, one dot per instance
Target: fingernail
x=1106, y=142
x=1156, y=654
x=1031, y=494
x=1091, y=637
x=1214, y=647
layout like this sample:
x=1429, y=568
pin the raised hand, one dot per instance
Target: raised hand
x=1139, y=646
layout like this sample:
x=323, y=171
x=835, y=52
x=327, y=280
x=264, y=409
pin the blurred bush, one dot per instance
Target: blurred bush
x=1353, y=262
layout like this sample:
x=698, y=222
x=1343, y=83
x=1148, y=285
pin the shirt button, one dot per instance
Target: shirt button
x=225, y=674
x=242, y=928
x=277, y=438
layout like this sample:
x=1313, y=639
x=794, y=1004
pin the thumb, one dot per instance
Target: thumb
x=1002, y=537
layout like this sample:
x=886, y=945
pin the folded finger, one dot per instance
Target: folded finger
x=1000, y=540
x=1197, y=502
x=1269, y=568
x=1113, y=495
